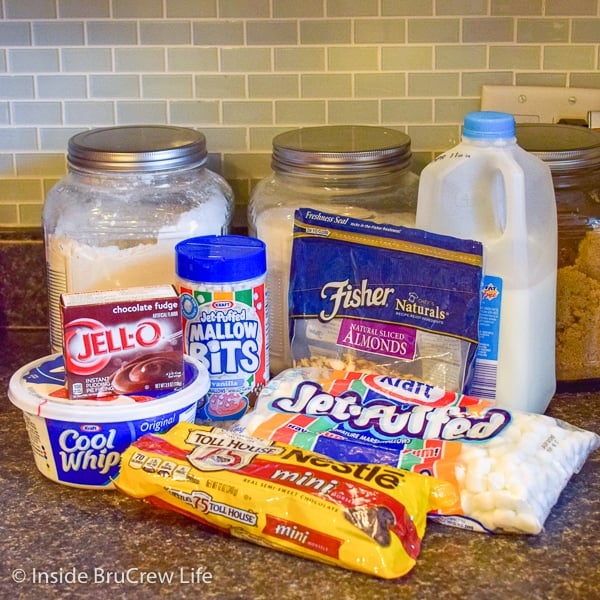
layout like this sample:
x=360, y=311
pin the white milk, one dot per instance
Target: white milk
x=489, y=189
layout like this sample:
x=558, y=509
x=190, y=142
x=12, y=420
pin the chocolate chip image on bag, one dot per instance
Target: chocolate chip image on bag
x=375, y=521
x=383, y=298
x=365, y=517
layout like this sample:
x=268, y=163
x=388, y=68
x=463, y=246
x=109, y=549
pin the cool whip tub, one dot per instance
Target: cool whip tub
x=79, y=442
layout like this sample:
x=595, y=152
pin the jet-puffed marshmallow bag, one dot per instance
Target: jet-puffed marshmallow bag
x=508, y=467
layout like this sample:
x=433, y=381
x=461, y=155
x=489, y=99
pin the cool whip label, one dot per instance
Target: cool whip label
x=122, y=342
x=90, y=448
x=225, y=329
x=89, y=454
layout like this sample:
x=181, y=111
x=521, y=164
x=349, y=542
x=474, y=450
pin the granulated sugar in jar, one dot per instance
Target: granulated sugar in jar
x=130, y=195
x=350, y=170
x=222, y=288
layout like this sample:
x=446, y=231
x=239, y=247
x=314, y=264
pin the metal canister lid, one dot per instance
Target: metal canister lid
x=341, y=150
x=562, y=147
x=137, y=148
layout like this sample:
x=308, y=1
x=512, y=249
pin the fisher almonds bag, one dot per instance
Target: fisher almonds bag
x=373, y=296
x=508, y=467
x=369, y=518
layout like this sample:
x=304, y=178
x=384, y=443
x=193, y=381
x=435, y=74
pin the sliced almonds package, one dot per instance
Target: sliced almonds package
x=365, y=517
x=377, y=297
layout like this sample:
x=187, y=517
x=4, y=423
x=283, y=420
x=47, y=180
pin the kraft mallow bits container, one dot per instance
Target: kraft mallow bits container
x=79, y=442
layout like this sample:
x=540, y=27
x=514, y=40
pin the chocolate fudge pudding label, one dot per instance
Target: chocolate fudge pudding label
x=122, y=342
x=225, y=330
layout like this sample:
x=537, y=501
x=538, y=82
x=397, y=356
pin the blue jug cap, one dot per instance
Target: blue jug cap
x=220, y=258
x=489, y=125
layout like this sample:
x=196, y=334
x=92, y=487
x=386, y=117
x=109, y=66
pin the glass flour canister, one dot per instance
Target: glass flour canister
x=130, y=194
x=360, y=171
x=573, y=155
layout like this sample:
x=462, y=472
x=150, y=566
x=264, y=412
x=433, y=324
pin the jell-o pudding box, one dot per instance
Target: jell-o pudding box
x=126, y=341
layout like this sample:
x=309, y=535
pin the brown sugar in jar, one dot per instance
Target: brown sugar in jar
x=573, y=155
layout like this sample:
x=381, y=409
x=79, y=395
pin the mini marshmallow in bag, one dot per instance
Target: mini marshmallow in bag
x=508, y=467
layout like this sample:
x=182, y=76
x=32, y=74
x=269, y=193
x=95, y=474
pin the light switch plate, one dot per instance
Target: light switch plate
x=539, y=104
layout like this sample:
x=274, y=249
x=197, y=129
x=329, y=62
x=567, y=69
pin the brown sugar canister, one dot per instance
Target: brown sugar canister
x=573, y=155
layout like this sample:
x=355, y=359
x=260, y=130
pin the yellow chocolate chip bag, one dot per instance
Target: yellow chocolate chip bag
x=366, y=517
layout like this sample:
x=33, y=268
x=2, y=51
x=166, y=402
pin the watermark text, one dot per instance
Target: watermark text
x=99, y=575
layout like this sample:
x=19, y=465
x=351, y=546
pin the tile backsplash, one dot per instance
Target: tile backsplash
x=244, y=70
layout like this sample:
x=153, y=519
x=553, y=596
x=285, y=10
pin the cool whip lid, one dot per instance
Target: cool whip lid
x=489, y=125
x=220, y=258
x=38, y=388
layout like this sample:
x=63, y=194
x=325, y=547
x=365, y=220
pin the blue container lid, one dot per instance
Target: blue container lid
x=489, y=125
x=220, y=258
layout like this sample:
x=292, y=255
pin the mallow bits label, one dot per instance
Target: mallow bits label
x=226, y=331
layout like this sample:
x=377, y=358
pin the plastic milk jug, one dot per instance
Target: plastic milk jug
x=489, y=189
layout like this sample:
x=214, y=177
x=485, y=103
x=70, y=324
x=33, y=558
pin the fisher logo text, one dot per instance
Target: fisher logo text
x=343, y=295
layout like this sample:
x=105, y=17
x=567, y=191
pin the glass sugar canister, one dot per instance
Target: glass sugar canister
x=573, y=155
x=360, y=171
x=131, y=193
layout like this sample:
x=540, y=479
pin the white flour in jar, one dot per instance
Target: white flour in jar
x=75, y=266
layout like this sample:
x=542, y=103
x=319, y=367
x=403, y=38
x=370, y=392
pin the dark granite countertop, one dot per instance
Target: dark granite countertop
x=50, y=530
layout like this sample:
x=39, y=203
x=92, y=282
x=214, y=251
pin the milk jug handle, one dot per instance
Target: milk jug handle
x=513, y=178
